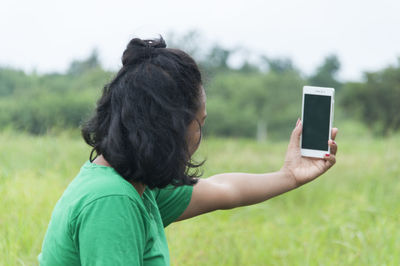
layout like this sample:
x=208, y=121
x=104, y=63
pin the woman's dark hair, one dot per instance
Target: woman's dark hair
x=141, y=120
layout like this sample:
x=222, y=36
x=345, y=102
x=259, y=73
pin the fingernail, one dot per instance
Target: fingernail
x=327, y=155
x=297, y=123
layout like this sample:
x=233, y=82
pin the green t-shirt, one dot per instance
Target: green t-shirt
x=101, y=219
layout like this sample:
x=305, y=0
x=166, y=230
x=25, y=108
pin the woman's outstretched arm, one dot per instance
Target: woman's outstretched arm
x=231, y=190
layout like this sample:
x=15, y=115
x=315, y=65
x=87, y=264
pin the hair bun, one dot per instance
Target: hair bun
x=137, y=50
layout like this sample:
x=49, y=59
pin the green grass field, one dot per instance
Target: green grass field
x=349, y=216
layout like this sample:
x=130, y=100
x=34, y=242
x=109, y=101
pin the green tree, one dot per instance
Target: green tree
x=278, y=65
x=78, y=67
x=326, y=73
x=376, y=100
x=241, y=104
x=12, y=80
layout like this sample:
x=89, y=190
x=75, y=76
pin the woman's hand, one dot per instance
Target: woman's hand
x=305, y=169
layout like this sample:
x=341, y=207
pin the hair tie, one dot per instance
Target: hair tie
x=148, y=49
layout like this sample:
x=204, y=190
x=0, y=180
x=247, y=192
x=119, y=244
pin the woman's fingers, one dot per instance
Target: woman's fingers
x=334, y=133
x=333, y=146
x=330, y=160
x=295, y=137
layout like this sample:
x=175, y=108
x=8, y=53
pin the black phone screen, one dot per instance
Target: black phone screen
x=316, y=117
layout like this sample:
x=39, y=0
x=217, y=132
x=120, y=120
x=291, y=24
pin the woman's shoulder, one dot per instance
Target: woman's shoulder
x=102, y=180
x=95, y=182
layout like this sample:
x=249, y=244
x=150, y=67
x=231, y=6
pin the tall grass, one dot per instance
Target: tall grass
x=349, y=216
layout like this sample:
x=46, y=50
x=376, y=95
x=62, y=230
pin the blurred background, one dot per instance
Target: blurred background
x=255, y=57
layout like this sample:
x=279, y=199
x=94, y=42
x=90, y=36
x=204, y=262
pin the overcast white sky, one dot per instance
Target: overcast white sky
x=47, y=34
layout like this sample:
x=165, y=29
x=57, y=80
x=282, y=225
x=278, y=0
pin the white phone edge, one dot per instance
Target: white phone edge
x=318, y=91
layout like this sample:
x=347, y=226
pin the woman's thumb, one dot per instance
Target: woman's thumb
x=296, y=133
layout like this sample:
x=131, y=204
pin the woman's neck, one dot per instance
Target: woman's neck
x=100, y=160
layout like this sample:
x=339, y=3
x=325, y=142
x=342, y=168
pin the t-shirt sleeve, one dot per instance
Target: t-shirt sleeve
x=172, y=202
x=111, y=231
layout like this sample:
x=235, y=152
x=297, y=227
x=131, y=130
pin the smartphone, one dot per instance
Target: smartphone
x=317, y=119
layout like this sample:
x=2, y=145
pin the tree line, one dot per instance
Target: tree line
x=255, y=99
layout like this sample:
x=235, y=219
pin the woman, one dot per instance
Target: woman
x=145, y=129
